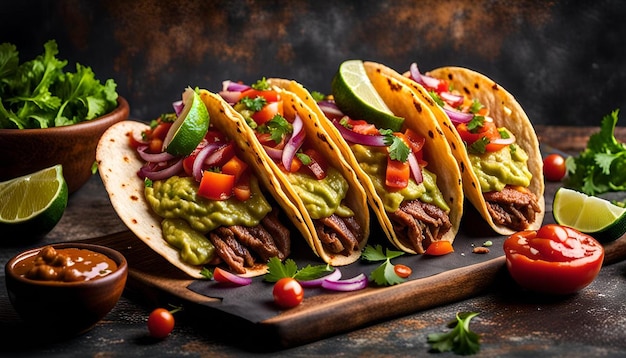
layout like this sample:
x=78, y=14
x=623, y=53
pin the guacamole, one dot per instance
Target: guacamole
x=497, y=169
x=322, y=198
x=373, y=163
x=195, y=248
x=176, y=198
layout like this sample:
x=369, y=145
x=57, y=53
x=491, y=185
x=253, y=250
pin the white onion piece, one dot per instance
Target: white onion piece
x=294, y=142
x=333, y=276
x=330, y=109
x=424, y=80
x=358, y=138
x=352, y=284
x=452, y=99
x=416, y=170
x=153, y=157
x=196, y=170
x=148, y=171
x=458, y=117
x=504, y=141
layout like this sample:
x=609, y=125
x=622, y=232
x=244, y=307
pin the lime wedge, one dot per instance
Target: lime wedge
x=189, y=128
x=356, y=96
x=31, y=205
x=589, y=214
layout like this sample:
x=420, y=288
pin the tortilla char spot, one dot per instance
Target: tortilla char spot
x=126, y=159
x=418, y=106
x=453, y=146
x=450, y=77
x=440, y=131
x=467, y=91
x=134, y=198
x=394, y=87
x=495, y=87
x=462, y=167
x=134, y=221
x=473, y=184
x=431, y=134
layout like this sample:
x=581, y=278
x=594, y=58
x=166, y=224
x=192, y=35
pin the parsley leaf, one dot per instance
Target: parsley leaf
x=277, y=269
x=460, y=339
x=398, y=149
x=383, y=275
x=278, y=128
x=601, y=167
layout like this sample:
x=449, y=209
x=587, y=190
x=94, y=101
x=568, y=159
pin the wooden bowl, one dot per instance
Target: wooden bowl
x=25, y=151
x=58, y=309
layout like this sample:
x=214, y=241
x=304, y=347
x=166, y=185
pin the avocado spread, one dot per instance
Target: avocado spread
x=322, y=198
x=373, y=162
x=195, y=248
x=176, y=198
x=497, y=169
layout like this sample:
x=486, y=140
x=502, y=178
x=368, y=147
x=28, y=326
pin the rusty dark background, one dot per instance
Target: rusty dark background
x=563, y=60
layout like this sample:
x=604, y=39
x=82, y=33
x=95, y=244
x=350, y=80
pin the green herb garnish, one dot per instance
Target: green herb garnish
x=383, y=275
x=460, y=339
x=261, y=85
x=277, y=269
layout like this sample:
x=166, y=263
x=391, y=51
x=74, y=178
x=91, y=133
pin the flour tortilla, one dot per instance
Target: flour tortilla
x=402, y=102
x=221, y=111
x=506, y=112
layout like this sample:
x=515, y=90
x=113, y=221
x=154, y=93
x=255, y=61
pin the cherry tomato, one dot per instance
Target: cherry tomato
x=402, y=270
x=555, y=259
x=288, y=292
x=160, y=323
x=554, y=167
x=439, y=248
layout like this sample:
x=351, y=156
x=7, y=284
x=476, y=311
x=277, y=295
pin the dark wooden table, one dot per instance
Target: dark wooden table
x=510, y=322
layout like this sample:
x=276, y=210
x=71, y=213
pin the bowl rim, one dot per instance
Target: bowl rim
x=120, y=260
x=122, y=106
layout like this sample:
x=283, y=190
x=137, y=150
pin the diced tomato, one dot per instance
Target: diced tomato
x=134, y=142
x=216, y=186
x=487, y=130
x=155, y=145
x=397, y=174
x=160, y=131
x=268, y=112
x=188, y=164
x=318, y=165
x=213, y=136
x=439, y=248
x=241, y=191
x=416, y=143
x=235, y=166
x=442, y=86
x=269, y=95
x=363, y=127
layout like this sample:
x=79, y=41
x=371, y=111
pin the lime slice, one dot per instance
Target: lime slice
x=589, y=214
x=189, y=128
x=356, y=96
x=31, y=205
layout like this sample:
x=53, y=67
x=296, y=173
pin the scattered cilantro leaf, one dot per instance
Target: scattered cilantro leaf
x=277, y=269
x=206, y=273
x=479, y=146
x=278, y=128
x=318, y=96
x=601, y=166
x=383, y=275
x=436, y=98
x=476, y=106
x=305, y=159
x=460, y=339
x=398, y=149
x=254, y=104
x=261, y=85
x=475, y=123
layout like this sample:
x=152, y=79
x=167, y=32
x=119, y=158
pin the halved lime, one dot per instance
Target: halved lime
x=32, y=205
x=356, y=97
x=589, y=214
x=189, y=128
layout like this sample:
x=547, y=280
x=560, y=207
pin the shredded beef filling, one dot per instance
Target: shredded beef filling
x=512, y=208
x=240, y=246
x=339, y=235
x=419, y=224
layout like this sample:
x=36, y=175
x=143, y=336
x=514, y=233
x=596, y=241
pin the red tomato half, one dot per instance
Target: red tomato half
x=554, y=167
x=288, y=292
x=555, y=259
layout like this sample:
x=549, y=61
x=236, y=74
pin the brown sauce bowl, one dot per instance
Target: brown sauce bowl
x=58, y=309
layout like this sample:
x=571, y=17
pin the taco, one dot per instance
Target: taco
x=429, y=206
x=492, y=140
x=314, y=176
x=165, y=200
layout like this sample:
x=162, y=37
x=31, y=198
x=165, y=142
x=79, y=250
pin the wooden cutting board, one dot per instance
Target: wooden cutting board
x=328, y=313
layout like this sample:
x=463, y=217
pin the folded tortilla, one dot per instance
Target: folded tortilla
x=118, y=164
x=402, y=101
x=505, y=111
x=221, y=111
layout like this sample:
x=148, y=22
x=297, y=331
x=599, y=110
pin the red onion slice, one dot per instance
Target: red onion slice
x=426, y=81
x=153, y=157
x=358, y=282
x=151, y=172
x=234, y=86
x=416, y=170
x=196, y=170
x=452, y=99
x=333, y=276
x=330, y=109
x=178, y=107
x=458, y=117
x=294, y=142
x=275, y=154
x=358, y=138
x=230, y=278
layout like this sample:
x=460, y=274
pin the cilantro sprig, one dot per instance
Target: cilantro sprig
x=460, y=339
x=601, y=167
x=398, y=149
x=383, y=275
x=277, y=269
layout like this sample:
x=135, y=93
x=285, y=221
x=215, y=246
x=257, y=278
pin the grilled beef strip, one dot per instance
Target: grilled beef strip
x=339, y=235
x=235, y=245
x=419, y=223
x=512, y=208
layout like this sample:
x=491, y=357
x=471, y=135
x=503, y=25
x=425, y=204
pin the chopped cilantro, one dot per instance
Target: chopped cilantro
x=261, y=85
x=278, y=127
x=476, y=106
x=277, y=269
x=436, y=98
x=147, y=183
x=398, y=149
x=460, y=339
x=206, y=273
x=305, y=159
x=383, y=275
x=475, y=124
x=254, y=104
x=601, y=167
x=479, y=146
x=318, y=96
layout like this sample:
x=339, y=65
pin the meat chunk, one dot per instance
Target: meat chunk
x=419, y=224
x=513, y=207
x=339, y=235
